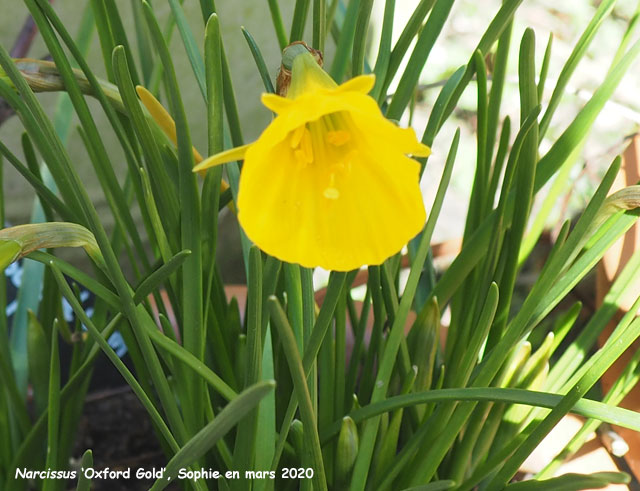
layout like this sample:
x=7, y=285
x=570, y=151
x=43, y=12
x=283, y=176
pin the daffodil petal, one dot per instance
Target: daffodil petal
x=379, y=128
x=275, y=102
x=162, y=117
x=157, y=112
x=361, y=83
x=230, y=155
x=421, y=150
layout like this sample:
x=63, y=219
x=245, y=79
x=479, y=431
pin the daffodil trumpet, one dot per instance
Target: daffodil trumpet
x=329, y=182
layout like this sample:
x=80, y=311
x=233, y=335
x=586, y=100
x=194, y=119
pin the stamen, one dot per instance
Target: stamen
x=306, y=146
x=297, y=136
x=331, y=192
x=300, y=157
x=338, y=137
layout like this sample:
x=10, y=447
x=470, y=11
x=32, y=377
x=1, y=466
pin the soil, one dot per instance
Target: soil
x=117, y=428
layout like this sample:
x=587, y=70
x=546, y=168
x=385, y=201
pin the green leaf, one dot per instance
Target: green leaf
x=411, y=29
x=573, y=482
x=299, y=20
x=84, y=483
x=190, y=46
x=159, y=276
x=579, y=50
x=360, y=36
x=260, y=63
x=207, y=437
x=190, y=225
x=427, y=38
x=583, y=407
x=384, y=51
x=53, y=422
x=319, y=29
x=395, y=336
x=345, y=42
x=301, y=391
x=245, y=445
x=276, y=18
x=39, y=353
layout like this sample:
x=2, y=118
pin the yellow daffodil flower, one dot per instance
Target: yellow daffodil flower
x=328, y=183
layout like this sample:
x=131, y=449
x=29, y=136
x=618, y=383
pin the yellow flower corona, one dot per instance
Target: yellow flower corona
x=328, y=183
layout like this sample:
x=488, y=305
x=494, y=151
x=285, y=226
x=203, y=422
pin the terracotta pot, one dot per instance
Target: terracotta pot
x=608, y=269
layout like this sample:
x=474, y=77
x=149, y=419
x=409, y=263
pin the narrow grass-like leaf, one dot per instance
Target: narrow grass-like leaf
x=102, y=291
x=441, y=485
x=190, y=222
x=411, y=29
x=299, y=20
x=319, y=29
x=345, y=42
x=525, y=176
x=190, y=46
x=360, y=36
x=120, y=36
x=39, y=352
x=384, y=50
x=163, y=189
x=544, y=68
x=14, y=397
x=84, y=483
x=573, y=482
x=208, y=436
x=601, y=361
x=276, y=18
x=293, y=288
x=576, y=55
x=500, y=22
x=260, y=63
x=159, y=276
x=113, y=357
x=244, y=452
x=580, y=126
x=584, y=407
x=301, y=390
x=548, y=205
x=476, y=206
x=498, y=77
x=427, y=38
x=53, y=421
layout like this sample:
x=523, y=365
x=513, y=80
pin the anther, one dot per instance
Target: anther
x=306, y=146
x=338, y=137
x=297, y=136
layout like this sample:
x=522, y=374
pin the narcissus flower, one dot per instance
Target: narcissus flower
x=328, y=183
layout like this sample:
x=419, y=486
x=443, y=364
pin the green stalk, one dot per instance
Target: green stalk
x=301, y=392
x=53, y=418
x=190, y=221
